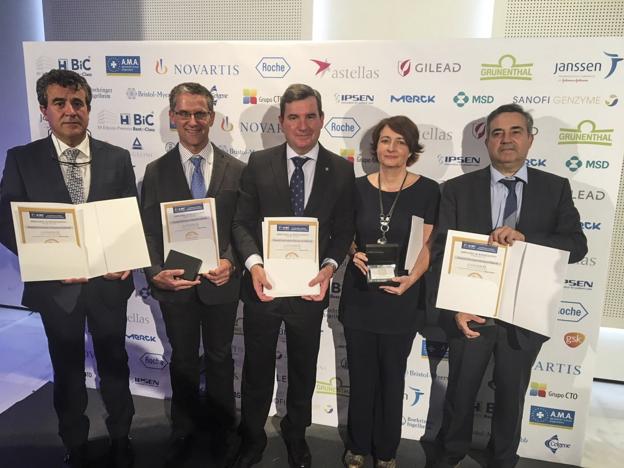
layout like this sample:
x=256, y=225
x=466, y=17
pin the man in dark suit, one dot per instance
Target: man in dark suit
x=509, y=202
x=206, y=307
x=321, y=186
x=71, y=167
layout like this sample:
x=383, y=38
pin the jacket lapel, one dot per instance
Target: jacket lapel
x=322, y=175
x=177, y=187
x=280, y=176
x=49, y=165
x=219, y=169
x=483, y=188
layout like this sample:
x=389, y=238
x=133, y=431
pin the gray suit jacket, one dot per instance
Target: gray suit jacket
x=32, y=174
x=164, y=181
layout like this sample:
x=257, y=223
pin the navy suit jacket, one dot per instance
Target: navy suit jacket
x=547, y=217
x=33, y=174
x=265, y=192
x=164, y=181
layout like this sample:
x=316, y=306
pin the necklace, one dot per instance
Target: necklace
x=384, y=219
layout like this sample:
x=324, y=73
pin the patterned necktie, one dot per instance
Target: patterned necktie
x=198, y=186
x=73, y=180
x=510, y=215
x=297, y=186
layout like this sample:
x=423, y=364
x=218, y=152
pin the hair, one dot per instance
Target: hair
x=509, y=108
x=297, y=92
x=404, y=127
x=64, y=78
x=190, y=88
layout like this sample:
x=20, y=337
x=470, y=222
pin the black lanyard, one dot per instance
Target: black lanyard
x=384, y=219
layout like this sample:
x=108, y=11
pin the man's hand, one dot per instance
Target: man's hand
x=74, y=280
x=260, y=282
x=120, y=275
x=220, y=275
x=462, y=319
x=405, y=282
x=359, y=260
x=505, y=235
x=169, y=281
x=323, y=277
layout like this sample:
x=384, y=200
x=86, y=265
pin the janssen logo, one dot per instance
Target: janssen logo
x=273, y=67
x=570, y=311
x=414, y=396
x=355, y=72
x=553, y=444
x=342, y=127
x=81, y=65
x=507, y=68
x=543, y=416
x=574, y=339
x=583, y=71
x=586, y=133
x=407, y=66
x=128, y=65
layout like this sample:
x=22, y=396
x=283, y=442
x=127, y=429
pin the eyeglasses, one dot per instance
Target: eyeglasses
x=201, y=115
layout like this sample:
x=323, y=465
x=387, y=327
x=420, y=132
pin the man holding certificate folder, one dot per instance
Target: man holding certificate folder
x=200, y=307
x=71, y=167
x=297, y=179
x=509, y=202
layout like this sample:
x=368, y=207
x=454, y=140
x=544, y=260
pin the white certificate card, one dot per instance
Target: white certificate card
x=190, y=227
x=291, y=257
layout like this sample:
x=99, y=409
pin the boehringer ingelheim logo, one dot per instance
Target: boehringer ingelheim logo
x=506, y=69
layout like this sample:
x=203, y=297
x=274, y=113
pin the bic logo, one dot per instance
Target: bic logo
x=136, y=119
x=74, y=64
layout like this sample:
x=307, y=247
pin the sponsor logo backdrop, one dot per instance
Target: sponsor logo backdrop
x=573, y=87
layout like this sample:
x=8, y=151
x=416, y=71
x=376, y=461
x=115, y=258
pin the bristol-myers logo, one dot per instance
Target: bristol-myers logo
x=342, y=127
x=154, y=361
x=553, y=444
x=571, y=312
x=273, y=67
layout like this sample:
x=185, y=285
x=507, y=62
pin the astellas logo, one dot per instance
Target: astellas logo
x=82, y=66
x=553, y=444
x=583, y=71
x=355, y=72
x=554, y=417
x=129, y=65
x=586, y=133
x=406, y=66
x=506, y=68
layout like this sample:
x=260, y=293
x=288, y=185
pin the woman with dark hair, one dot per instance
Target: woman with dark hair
x=380, y=318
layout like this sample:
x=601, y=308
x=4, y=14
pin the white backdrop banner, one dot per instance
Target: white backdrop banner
x=447, y=87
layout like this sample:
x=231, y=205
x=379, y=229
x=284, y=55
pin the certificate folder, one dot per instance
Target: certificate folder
x=180, y=261
x=520, y=284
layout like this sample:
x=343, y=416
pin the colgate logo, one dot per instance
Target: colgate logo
x=574, y=339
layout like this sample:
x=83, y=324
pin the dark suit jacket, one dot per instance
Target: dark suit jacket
x=164, y=181
x=547, y=217
x=32, y=174
x=265, y=192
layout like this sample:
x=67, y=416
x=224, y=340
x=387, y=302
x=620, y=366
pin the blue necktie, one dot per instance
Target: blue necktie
x=198, y=186
x=510, y=215
x=297, y=186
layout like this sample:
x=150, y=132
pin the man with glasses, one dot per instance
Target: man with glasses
x=204, y=308
x=69, y=166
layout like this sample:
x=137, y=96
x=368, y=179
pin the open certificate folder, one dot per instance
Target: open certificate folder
x=519, y=284
x=291, y=257
x=57, y=241
x=190, y=227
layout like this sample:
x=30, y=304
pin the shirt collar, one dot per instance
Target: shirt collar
x=496, y=176
x=84, y=147
x=312, y=154
x=205, y=153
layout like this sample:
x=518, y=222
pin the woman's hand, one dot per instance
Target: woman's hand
x=405, y=282
x=359, y=260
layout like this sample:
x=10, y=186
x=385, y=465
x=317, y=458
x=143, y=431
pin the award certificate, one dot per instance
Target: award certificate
x=48, y=226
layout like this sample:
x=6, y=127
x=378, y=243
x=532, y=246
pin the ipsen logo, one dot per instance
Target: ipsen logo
x=586, y=133
x=506, y=69
x=129, y=65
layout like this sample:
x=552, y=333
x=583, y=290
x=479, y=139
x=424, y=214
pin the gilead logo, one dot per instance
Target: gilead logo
x=573, y=339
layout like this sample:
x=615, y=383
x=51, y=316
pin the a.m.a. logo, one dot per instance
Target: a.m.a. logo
x=507, y=68
x=333, y=387
x=586, y=133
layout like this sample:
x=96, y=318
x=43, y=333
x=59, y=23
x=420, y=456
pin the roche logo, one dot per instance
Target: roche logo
x=571, y=312
x=506, y=69
x=553, y=444
x=461, y=99
x=342, y=127
x=273, y=67
x=586, y=133
x=154, y=361
x=574, y=339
